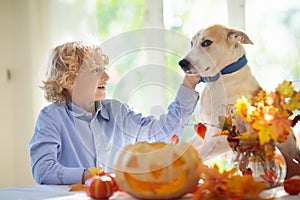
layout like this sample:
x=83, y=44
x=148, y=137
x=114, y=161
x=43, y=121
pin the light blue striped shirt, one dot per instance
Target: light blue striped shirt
x=68, y=139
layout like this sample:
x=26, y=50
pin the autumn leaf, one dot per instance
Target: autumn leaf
x=260, y=98
x=280, y=128
x=293, y=103
x=269, y=176
x=213, y=182
x=76, y=187
x=226, y=185
x=242, y=106
x=212, y=175
x=245, y=186
x=285, y=89
x=265, y=132
x=246, y=136
x=96, y=171
x=222, y=132
x=225, y=122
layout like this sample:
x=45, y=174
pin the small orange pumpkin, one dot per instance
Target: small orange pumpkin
x=292, y=185
x=158, y=170
x=99, y=187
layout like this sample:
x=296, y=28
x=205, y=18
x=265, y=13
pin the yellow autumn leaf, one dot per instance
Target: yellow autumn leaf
x=293, y=103
x=95, y=171
x=246, y=136
x=222, y=132
x=259, y=98
x=242, y=106
x=264, y=131
x=257, y=115
x=285, y=89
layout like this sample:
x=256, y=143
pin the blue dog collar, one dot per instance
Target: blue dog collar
x=233, y=67
x=209, y=78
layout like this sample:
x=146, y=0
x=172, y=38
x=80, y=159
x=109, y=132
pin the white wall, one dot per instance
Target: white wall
x=6, y=105
x=29, y=29
x=16, y=92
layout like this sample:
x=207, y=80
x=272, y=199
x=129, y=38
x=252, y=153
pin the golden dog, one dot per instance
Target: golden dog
x=218, y=55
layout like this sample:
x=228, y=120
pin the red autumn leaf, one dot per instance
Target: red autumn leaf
x=247, y=171
x=174, y=139
x=269, y=176
x=200, y=129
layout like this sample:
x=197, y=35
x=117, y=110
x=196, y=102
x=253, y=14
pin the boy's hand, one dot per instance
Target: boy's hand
x=191, y=81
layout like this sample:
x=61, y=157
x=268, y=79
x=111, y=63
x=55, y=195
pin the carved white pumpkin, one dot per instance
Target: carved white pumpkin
x=158, y=170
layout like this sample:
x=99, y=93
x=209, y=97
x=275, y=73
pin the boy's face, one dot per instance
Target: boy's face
x=90, y=83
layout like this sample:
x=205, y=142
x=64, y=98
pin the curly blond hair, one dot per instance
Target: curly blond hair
x=63, y=66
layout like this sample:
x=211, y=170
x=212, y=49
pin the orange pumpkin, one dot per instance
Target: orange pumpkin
x=99, y=187
x=292, y=185
x=157, y=170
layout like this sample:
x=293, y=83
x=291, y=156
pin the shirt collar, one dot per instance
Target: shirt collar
x=103, y=111
x=78, y=112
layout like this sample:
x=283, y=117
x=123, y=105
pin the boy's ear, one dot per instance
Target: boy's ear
x=69, y=88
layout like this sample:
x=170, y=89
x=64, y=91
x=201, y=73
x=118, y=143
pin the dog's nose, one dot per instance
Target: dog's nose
x=184, y=64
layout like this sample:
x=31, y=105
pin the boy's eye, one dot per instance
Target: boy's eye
x=97, y=70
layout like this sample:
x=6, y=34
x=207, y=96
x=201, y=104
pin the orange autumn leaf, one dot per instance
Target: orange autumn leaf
x=245, y=186
x=225, y=185
x=76, y=187
x=213, y=173
x=281, y=128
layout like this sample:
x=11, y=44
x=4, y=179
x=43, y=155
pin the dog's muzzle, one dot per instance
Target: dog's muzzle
x=186, y=66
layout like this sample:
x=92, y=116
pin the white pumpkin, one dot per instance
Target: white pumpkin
x=157, y=170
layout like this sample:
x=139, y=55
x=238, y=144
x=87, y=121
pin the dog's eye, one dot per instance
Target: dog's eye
x=206, y=43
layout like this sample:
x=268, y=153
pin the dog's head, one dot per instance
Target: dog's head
x=213, y=48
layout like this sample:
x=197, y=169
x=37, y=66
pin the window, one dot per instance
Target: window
x=152, y=53
x=275, y=32
x=271, y=25
x=275, y=55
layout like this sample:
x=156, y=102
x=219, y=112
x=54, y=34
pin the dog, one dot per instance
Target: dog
x=218, y=55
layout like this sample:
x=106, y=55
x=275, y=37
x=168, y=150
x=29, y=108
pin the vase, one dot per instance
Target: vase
x=265, y=164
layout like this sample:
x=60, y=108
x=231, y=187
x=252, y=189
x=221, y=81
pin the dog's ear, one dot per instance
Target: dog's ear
x=235, y=36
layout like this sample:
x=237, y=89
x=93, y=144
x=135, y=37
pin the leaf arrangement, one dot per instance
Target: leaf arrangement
x=226, y=185
x=266, y=117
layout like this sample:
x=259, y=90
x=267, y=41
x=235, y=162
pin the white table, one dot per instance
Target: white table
x=57, y=192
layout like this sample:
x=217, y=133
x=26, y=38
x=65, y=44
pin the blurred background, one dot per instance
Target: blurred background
x=29, y=29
